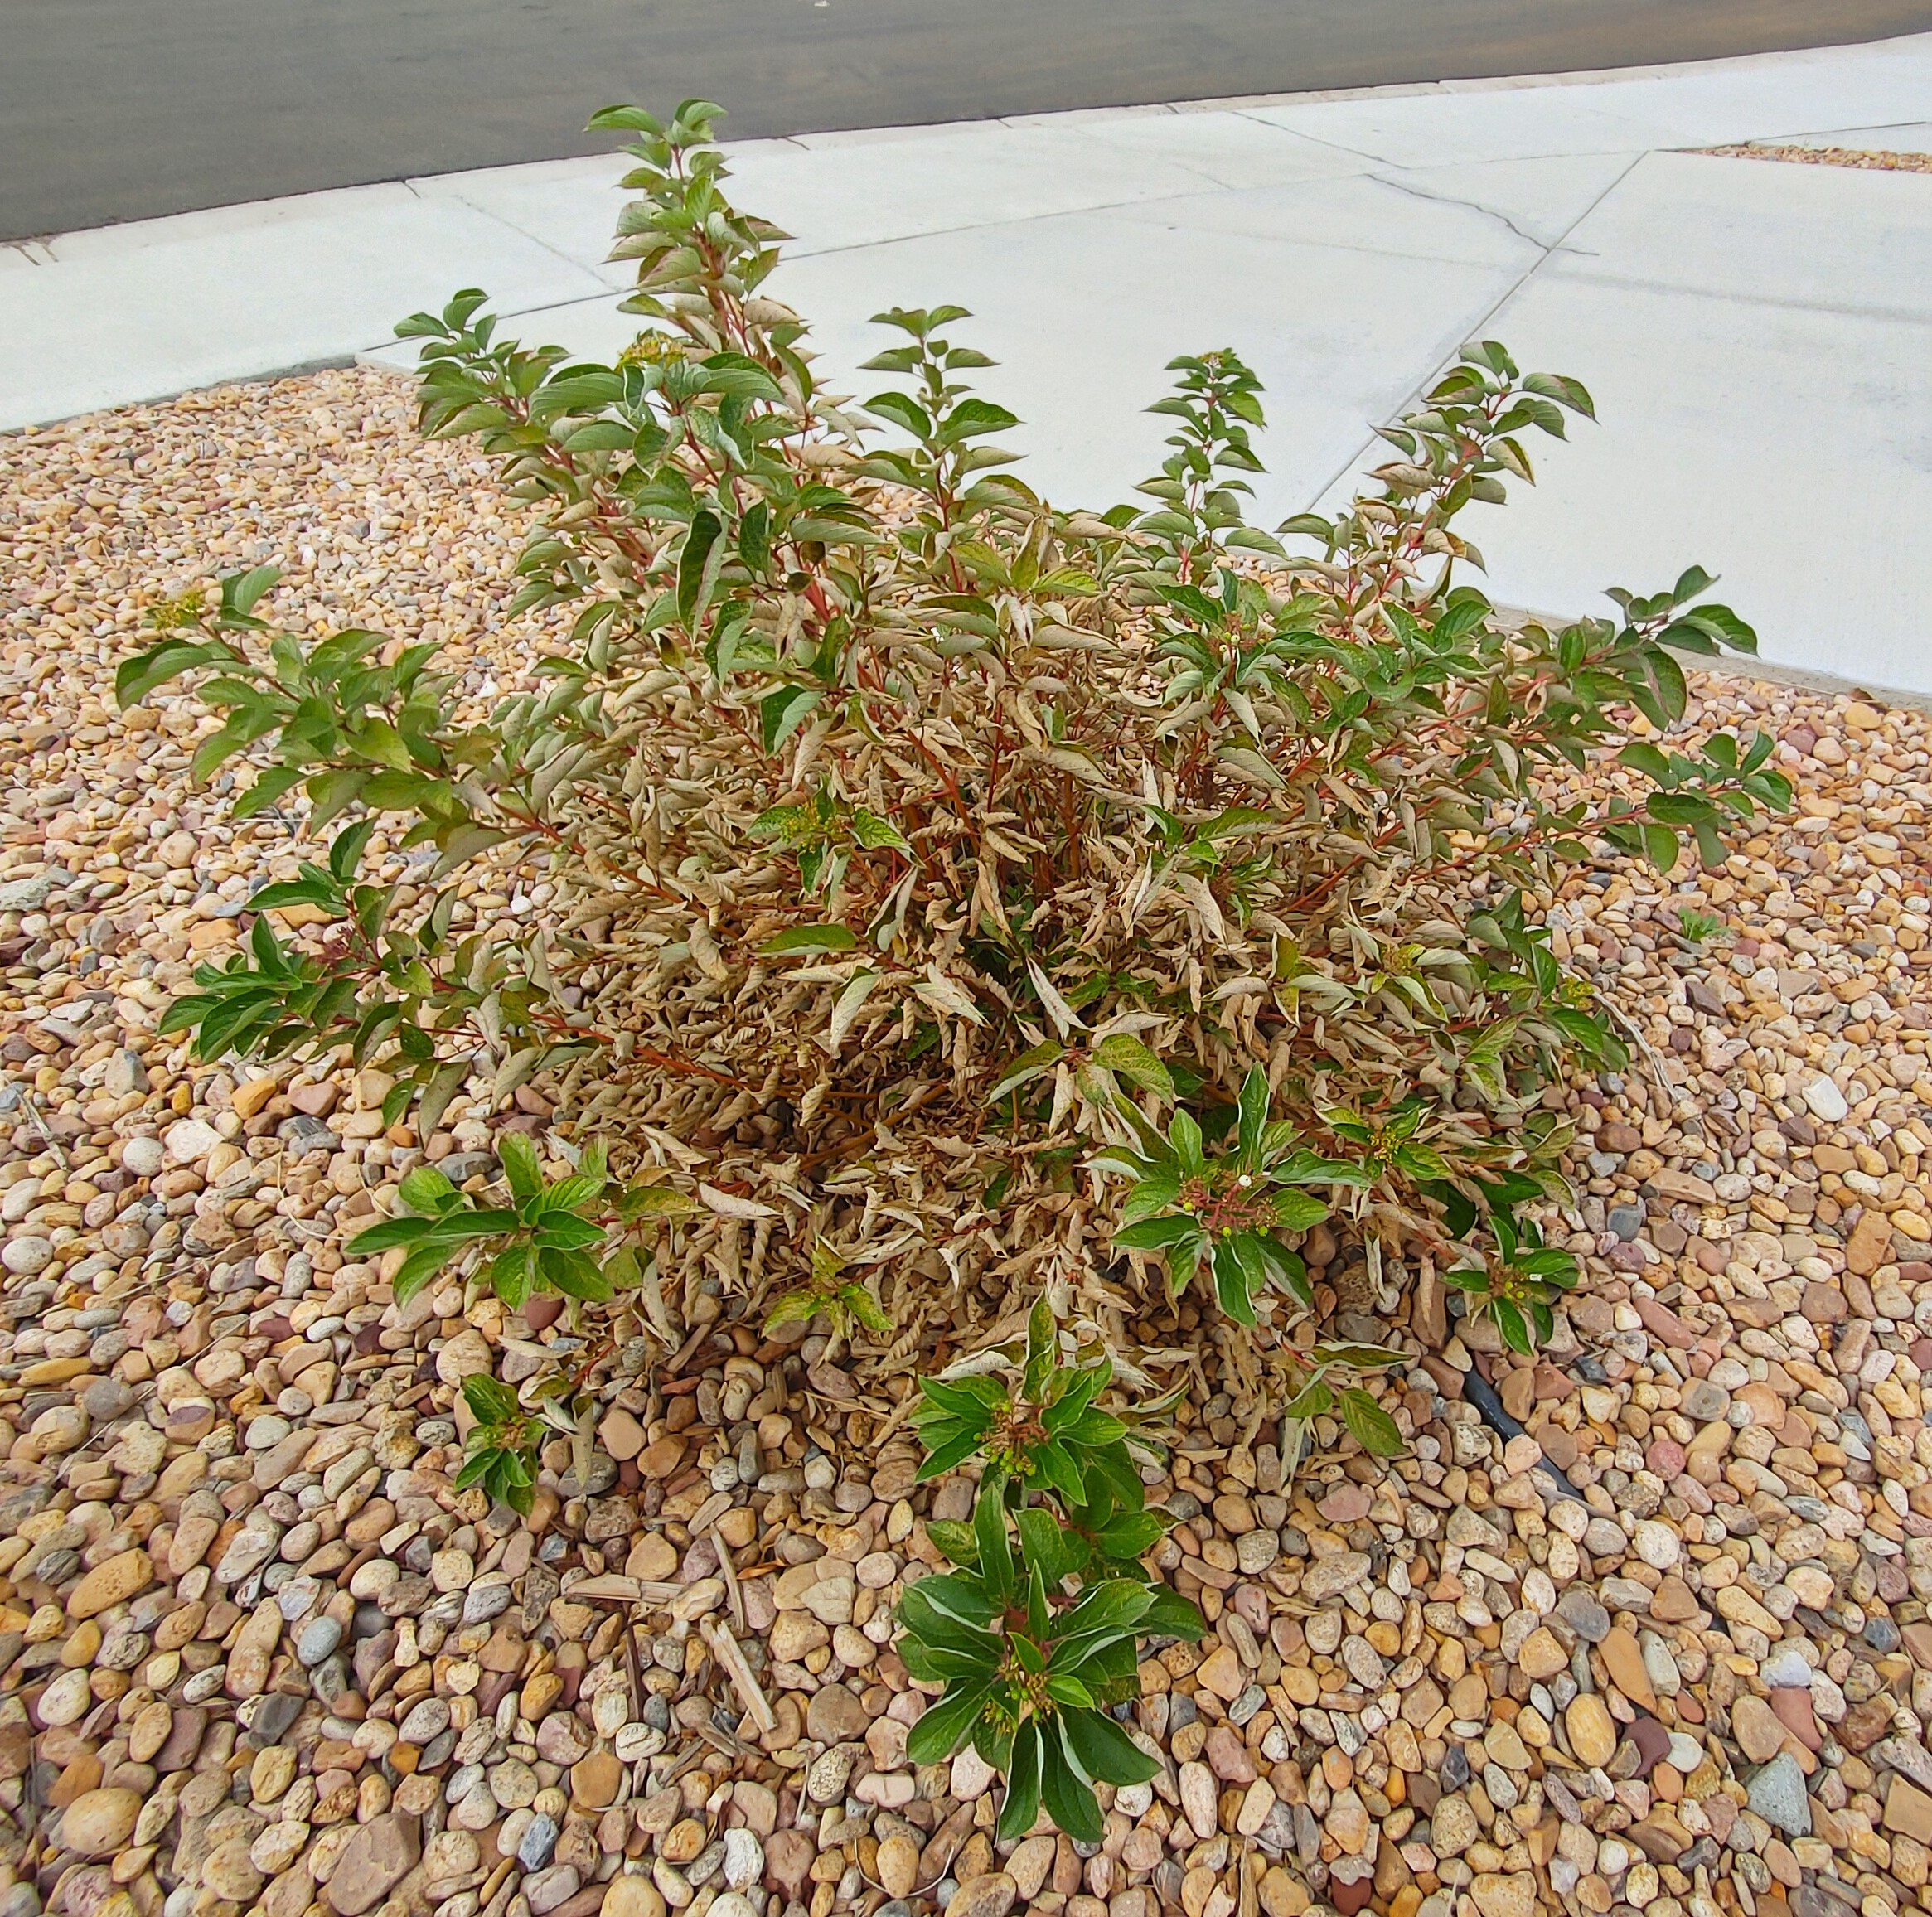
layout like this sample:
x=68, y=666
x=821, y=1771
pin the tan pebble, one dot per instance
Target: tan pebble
x=898, y=1868
x=990, y=1894
x=149, y=1731
x=1592, y=1730
x=1221, y=1672
x=596, y=1779
x=1033, y=1857
x=1498, y=1894
x=682, y=1841
x=1623, y=1657
x=99, y=1823
x=630, y=1895
x=1255, y=1807
x=1282, y=1895
x=1541, y=1655
x=82, y=1647
x=67, y=1699
x=653, y=1556
x=620, y=1434
x=122, y=1576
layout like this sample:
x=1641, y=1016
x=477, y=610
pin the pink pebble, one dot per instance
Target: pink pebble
x=1346, y=1504
x=1665, y=1457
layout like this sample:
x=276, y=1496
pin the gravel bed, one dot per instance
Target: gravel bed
x=1651, y=1637
x=1874, y=161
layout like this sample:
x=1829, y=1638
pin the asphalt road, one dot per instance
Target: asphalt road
x=124, y=109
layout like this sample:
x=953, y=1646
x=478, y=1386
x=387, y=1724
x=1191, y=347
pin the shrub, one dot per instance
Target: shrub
x=911, y=860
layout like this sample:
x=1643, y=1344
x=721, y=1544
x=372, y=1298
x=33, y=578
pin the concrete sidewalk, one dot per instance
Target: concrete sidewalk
x=1758, y=337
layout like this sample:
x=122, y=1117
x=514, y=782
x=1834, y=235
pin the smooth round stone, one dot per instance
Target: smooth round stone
x=372, y=1580
x=143, y=1157
x=26, y=1257
x=296, y=1598
x=744, y=1859
x=427, y=1718
x=318, y=1640
x=544, y=1890
x=513, y=1783
x=67, y=1699
x=1665, y=1458
x=204, y=1685
x=628, y=1895
x=475, y=1810
x=483, y=1602
x=99, y=1823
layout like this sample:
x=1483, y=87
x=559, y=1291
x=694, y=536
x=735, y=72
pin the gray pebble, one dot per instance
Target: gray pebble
x=538, y=1842
x=318, y=1640
x=1581, y=1611
x=481, y=1602
x=1777, y=1794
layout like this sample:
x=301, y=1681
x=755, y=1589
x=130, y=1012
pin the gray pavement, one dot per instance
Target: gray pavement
x=125, y=109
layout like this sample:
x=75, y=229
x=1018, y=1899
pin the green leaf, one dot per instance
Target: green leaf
x=1028, y=1066
x=1105, y=1751
x=521, y=1166
x=1069, y=1797
x=418, y=1269
x=947, y=1725
x=693, y=566
x=995, y=1547
x=781, y=712
x=1023, y=1784
x=803, y=939
x=427, y=1190
x=959, y=1542
x=1369, y=1425
x=1126, y=1055
x=490, y=1401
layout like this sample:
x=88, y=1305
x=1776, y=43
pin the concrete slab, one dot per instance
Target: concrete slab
x=1084, y=311
x=1782, y=448
x=587, y=329
x=1840, y=239
x=134, y=312
x=1759, y=336
x=1760, y=353
x=1909, y=137
x=1499, y=213
x=833, y=191
x=1726, y=101
x=569, y=206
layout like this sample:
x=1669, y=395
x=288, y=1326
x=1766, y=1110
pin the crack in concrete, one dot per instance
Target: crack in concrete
x=1476, y=331
x=1472, y=205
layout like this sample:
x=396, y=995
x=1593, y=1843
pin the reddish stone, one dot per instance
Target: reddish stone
x=1559, y=1446
x=1661, y=1322
x=1792, y=1708
x=1349, y=1895
x=1553, y=1385
x=1346, y=1504
x=1665, y=1458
